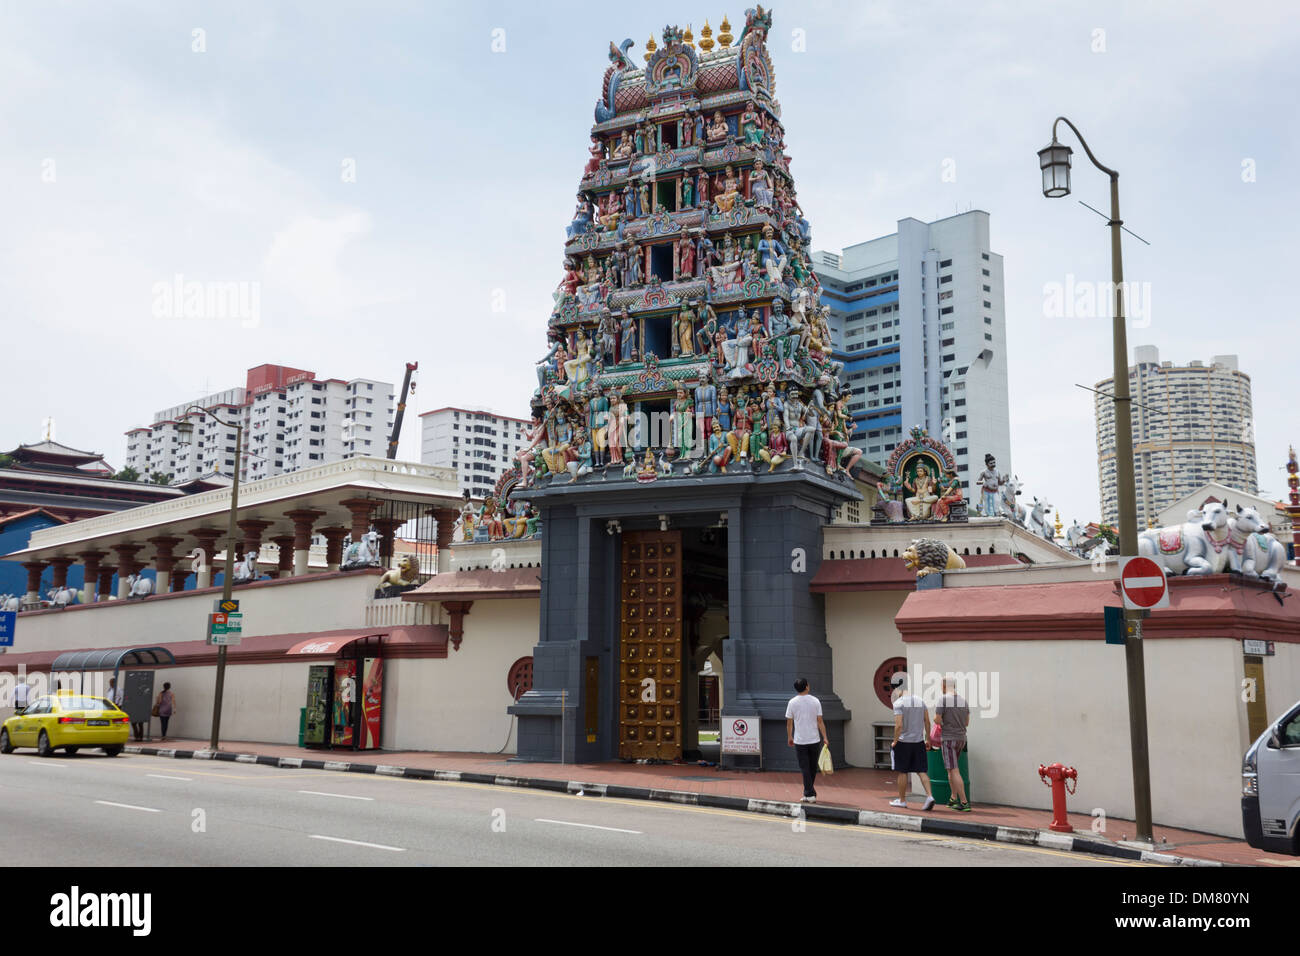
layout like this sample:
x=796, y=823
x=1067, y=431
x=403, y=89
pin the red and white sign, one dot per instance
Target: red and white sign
x=1143, y=584
x=740, y=735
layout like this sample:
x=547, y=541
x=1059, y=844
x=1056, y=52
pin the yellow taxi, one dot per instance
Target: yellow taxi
x=69, y=721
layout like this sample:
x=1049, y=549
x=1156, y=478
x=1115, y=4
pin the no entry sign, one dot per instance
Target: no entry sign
x=1143, y=584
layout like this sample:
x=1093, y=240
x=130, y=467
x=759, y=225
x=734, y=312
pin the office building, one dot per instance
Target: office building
x=919, y=321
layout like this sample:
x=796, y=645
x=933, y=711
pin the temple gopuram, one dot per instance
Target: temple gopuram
x=691, y=438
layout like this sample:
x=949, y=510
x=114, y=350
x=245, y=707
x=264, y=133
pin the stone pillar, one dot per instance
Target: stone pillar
x=446, y=518
x=60, y=566
x=178, y=578
x=284, y=542
x=387, y=528
x=334, y=546
x=104, y=591
x=207, y=539
x=303, y=519
x=92, y=576
x=164, y=561
x=253, y=529
x=34, y=571
x=362, y=509
x=125, y=566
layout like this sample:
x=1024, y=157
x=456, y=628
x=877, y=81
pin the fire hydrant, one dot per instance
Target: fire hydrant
x=1058, y=777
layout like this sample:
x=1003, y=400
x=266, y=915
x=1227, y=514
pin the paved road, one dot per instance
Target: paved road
x=91, y=810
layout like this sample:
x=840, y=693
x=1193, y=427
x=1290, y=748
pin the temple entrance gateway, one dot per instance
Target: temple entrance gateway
x=650, y=646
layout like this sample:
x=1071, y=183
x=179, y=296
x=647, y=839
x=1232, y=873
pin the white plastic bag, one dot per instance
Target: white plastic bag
x=824, y=764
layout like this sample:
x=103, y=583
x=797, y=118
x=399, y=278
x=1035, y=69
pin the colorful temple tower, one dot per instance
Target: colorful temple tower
x=690, y=432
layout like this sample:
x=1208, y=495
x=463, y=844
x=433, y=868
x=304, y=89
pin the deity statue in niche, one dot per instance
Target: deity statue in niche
x=617, y=425
x=760, y=185
x=627, y=329
x=725, y=199
x=924, y=489
x=751, y=129
x=684, y=331
x=717, y=131
x=685, y=257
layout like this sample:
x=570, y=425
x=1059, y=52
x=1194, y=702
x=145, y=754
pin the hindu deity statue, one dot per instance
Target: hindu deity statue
x=717, y=131
x=578, y=368
x=683, y=418
x=581, y=462
x=751, y=130
x=623, y=148
x=706, y=404
x=725, y=198
x=950, y=493
x=617, y=425
x=607, y=334
x=688, y=193
x=760, y=185
x=989, y=482
x=685, y=257
x=776, y=450
x=597, y=151
x=924, y=491
x=598, y=427
x=772, y=255
x=684, y=331
x=719, y=449
x=627, y=330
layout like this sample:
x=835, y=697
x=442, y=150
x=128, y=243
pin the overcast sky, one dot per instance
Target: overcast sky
x=395, y=190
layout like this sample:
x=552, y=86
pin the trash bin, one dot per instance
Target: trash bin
x=939, y=775
x=302, y=726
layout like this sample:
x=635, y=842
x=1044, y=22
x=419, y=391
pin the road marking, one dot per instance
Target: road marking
x=128, y=806
x=345, y=796
x=167, y=776
x=373, y=846
x=589, y=826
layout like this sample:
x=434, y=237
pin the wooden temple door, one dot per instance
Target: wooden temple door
x=650, y=646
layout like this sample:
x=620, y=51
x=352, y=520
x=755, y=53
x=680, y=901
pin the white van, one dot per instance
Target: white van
x=1270, y=787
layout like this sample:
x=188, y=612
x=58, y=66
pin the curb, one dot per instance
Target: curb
x=844, y=816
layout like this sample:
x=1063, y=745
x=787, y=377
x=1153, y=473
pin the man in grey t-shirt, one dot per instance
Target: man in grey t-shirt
x=907, y=752
x=953, y=716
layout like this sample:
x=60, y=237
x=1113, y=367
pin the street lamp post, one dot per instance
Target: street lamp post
x=185, y=429
x=1054, y=161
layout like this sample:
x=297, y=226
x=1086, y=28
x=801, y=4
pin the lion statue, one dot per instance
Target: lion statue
x=401, y=577
x=928, y=555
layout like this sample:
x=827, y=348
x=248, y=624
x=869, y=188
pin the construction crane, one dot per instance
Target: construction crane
x=408, y=385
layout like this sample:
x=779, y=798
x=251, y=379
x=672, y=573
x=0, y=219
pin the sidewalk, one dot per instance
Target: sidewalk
x=854, y=795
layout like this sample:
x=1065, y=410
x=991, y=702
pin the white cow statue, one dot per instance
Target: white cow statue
x=1038, y=522
x=246, y=570
x=138, y=586
x=1261, y=555
x=62, y=597
x=363, y=553
x=1007, y=504
x=10, y=603
x=1202, y=545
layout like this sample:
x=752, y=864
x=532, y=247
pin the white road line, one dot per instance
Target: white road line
x=589, y=826
x=345, y=796
x=128, y=806
x=374, y=846
x=167, y=776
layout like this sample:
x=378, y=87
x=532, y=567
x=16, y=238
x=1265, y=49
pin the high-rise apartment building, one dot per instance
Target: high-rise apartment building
x=1191, y=424
x=919, y=321
x=291, y=420
x=480, y=445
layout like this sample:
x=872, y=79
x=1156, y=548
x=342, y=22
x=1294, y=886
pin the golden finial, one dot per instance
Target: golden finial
x=650, y=48
x=1059, y=526
x=725, y=37
x=688, y=38
x=706, y=37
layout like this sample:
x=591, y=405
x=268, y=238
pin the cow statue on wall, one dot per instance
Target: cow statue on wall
x=1201, y=545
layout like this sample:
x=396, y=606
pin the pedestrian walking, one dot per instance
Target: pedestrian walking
x=165, y=708
x=21, y=694
x=114, y=692
x=907, y=752
x=805, y=731
x=953, y=716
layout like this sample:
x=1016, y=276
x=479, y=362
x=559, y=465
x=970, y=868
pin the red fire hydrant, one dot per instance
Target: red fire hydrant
x=1058, y=777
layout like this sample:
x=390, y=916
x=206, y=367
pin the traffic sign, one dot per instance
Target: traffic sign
x=225, y=628
x=228, y=606
x=1143, y=584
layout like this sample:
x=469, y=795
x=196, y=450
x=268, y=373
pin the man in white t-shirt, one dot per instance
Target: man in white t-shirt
x=805, y=731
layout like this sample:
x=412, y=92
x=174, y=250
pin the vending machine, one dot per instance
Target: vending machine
x=372, y=701
x=320, y=695
x=346, y=712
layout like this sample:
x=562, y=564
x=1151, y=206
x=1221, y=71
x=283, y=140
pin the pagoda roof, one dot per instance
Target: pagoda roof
x=54, y=453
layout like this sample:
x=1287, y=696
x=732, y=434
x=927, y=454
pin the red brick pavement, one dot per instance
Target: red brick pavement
x=855, y=787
